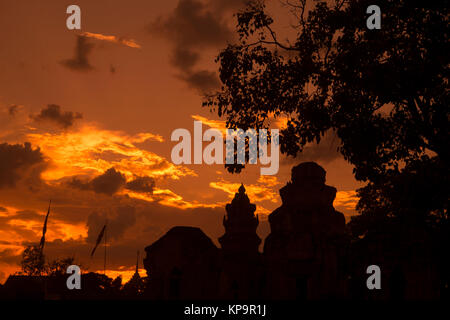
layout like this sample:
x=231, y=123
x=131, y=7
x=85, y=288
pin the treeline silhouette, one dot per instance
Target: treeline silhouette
x=40, y=280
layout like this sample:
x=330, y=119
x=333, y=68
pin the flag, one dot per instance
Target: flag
x=99, y=239
x=44, y=229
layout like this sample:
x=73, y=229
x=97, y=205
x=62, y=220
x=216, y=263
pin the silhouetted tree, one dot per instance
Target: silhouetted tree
x=116, y=286
x=417, y=194
x=134, y=287
x=96, y=285
x=59, y=266
x=384, y=92
x=33, y=261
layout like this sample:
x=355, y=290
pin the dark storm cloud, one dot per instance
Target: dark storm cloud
x=141, y=184
x=13, y=109
x=325, y=151
x=193, y=23
x=193, y=26
x=233, y=5
x=108, y=183
x=184, y=58
x=54, y=114
x=185, y=61
x=80, y=60
x=203, y=80
x=117, y=223
x=111, y=181
x=15, y=160
x=3, y=209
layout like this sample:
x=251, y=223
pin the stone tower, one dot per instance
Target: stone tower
x=240, y=224
x=242, y=273
x=304, y=250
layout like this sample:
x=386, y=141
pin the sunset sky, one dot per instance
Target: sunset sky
x=97, y=107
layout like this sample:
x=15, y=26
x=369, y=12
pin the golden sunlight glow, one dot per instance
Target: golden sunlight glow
x=124, y=272
x=256, y=192
x=171, y=199
x=280, y=122
x=346, y=199
x=215, y=124
x=91, y=151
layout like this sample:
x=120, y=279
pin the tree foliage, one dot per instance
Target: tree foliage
x=33, y=261
x=384, y=92
x=59, y=266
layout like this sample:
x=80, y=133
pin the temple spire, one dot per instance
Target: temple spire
x=240, y=225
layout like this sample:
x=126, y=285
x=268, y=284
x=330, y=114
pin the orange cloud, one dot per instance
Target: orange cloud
x=262, y=190
x=169, y=198
x=256, y=192
x=57, y=229
x=346, y=202
x=215, y=124
x=91, y=150
x=127, y=42
x=346, y=199
x=270, y=181
x=280, y=122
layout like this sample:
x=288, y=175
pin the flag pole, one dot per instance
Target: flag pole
x=44, y=229
x=42, y=242
x=104, y=262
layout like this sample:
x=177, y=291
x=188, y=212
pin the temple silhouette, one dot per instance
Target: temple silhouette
x=308, y=254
